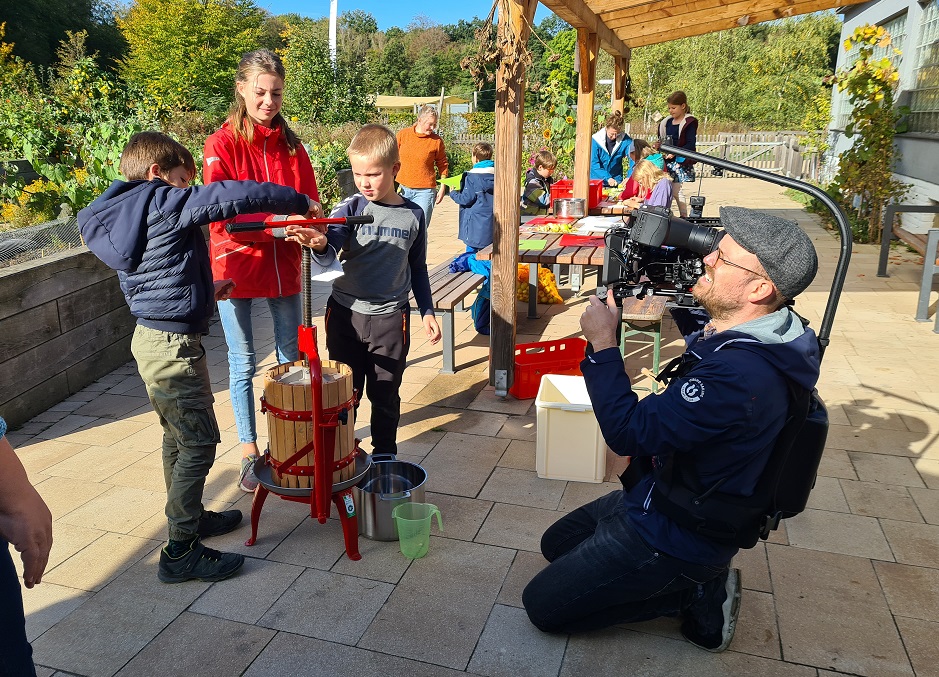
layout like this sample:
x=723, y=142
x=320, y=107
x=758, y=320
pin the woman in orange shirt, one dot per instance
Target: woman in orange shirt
x=422, y=158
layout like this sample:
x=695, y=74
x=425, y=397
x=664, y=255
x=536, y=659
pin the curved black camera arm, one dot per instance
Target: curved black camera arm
x=841, y=270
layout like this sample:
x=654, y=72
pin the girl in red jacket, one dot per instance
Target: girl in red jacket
x=255, y=143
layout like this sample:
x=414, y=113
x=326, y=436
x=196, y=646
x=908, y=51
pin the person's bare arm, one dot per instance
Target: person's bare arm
x=25, y=520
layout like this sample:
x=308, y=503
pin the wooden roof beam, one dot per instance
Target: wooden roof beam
x=685, y=26
x=579, y=15
x=630, y=11
x=694, y=12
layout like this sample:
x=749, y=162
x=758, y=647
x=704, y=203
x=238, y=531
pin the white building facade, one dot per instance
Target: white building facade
x=914, y=29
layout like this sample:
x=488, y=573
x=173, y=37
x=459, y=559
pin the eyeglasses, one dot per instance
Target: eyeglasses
x=720, y=257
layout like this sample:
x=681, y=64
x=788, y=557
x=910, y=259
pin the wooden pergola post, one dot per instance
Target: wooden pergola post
x=589, y=44
x=515, y=17
x=620, y=70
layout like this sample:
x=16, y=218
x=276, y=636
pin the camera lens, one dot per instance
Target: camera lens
x=654, y=227
x=699, y=239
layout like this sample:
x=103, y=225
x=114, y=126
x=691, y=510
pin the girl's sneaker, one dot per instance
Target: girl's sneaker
x=247, y=482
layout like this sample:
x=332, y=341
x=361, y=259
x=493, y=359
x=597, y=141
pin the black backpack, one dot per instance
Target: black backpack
x=782, y=490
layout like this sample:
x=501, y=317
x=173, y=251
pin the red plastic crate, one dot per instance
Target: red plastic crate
x=534, y=360
x=565, y=188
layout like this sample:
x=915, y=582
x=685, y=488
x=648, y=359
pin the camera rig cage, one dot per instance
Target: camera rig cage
x=656, y=253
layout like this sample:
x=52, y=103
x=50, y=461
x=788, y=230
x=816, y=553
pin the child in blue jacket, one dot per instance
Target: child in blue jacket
x=149, y=229
x=475, y=197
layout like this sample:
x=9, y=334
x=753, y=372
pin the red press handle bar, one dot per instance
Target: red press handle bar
x=277, y=226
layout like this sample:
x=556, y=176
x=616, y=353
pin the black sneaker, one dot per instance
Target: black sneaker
x=198, y=563
x=218, y=523
x=725, y=591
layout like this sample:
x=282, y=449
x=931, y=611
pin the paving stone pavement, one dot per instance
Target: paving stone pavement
x=849, y=587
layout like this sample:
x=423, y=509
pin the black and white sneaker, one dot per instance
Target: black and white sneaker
x=725, y=591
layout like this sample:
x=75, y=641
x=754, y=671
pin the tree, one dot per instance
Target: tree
x=358, y=21
x=391, y=68
x=463, y=31
x=186, y=52
x=787, y=68
x=559, y=57
x=314, y=91
x=37, y=26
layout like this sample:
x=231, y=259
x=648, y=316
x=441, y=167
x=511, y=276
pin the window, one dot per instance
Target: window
x=924, y=100
x=896, y=27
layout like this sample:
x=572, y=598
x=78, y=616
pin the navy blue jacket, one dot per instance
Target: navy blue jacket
x=150, y=233
x=727, y=411
x=475, y=198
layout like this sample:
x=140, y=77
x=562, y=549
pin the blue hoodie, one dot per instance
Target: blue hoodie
x=150, y=233
x=728, y=410
x=475, y=198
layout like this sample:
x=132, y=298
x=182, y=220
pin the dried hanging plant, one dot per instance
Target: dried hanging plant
x=496, y=48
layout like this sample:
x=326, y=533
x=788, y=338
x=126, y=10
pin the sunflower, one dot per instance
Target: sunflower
x=569, y=120
x=546, y=134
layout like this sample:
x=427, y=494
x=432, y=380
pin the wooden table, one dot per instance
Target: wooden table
x=606, y=208
x=553, y=253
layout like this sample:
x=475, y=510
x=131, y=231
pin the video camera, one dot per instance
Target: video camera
x=657, y=253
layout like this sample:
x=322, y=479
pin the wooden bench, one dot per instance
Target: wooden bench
x=924, y=243
x=448, y=291
x=643, y=317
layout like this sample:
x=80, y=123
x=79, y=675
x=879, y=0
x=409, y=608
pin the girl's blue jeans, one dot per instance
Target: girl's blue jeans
x=242, y=358
x=602, y=573
x=425, y=197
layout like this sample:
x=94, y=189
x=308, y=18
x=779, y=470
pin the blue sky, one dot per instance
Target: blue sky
x=390, y=13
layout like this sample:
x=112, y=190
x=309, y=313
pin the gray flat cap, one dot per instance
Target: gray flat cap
x=783, y=249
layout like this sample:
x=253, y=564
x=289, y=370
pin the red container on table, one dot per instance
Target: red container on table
x=533, y=360
x=565, y=188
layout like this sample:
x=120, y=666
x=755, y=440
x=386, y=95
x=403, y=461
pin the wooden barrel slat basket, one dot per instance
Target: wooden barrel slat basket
x=287, y=386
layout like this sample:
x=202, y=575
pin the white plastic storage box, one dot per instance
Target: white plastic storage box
x=569, y=443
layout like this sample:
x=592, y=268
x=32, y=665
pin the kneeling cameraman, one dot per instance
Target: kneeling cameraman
x=619, y=559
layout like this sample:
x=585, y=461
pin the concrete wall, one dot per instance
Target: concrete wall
x=63, y=324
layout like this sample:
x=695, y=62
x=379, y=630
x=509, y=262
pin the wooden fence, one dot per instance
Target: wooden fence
x=777, y=152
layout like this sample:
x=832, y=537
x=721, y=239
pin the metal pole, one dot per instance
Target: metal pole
x=333, y=12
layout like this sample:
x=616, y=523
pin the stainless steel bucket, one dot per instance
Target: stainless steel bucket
x=387, y=484
x=570, y=206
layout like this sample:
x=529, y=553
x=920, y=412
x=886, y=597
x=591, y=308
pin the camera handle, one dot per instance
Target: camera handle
x=844, y=258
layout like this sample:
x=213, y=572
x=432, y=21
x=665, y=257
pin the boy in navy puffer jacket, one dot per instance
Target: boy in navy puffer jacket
x=475, y=198
x=148, y=229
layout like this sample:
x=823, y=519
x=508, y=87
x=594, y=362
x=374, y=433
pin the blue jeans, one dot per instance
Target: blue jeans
x=425, y=197
x=602, y=573
x=242, y=360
